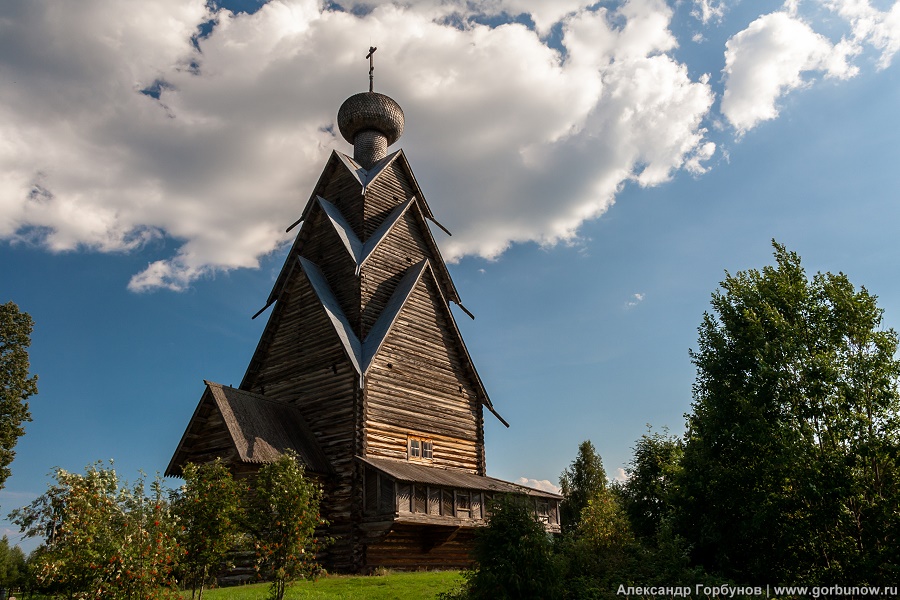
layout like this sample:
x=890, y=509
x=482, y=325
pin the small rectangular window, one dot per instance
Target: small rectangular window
x=543, y=511
x=420, y=448
x=463, y=504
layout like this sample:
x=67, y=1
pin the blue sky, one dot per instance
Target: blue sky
x=600, y=167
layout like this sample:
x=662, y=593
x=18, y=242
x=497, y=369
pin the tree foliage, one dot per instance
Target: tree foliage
x=582, y=480
x=283, y=513
x=12, y=565
x=103, y=539
x=209, y=509
x=513, y=555
x=652, y=473
x=790, y=466
x=15, y=384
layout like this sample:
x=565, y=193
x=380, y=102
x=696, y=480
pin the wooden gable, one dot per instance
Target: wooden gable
x=421, y=382
x=302, y=358
x=245, y=429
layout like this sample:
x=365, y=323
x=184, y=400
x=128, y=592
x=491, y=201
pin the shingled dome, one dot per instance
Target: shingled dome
x=370, y=111
x=371, y=122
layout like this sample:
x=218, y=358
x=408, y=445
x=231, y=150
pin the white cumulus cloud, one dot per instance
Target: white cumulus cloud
x=119, y=127
x=708, y=10
x=539, y=484
x=769, y=58
x=881, y=29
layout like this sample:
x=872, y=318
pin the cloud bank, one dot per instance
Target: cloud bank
x=123, y=125
x=126, y=123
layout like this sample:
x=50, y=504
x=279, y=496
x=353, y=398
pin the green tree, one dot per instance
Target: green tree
x=101, y=540
x=790, y=461
x=646, y=495
x=283, y=514
x=15, y=384
x=582, y=480
x=12, y=566
x=209, y=516
x=601, y=553
x=513, y=556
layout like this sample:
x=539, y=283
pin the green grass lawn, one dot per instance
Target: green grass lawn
x=377, y=587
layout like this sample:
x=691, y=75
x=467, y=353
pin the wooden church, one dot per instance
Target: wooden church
x=363, y=372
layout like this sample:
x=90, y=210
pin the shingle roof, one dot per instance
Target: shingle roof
x=261, y=428
x=419, y=473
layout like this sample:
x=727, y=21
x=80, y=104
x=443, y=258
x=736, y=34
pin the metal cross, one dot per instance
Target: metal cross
x=372, y=50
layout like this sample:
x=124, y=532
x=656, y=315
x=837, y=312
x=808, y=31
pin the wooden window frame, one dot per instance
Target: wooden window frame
x=419, y=449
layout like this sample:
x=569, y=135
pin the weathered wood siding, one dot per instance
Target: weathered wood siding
x=413, y=547
x=402, y=248
x=305, y=363
x=325, y=248
x=208, y=438
x=345, y=192
x=419, y=385
x=389, y=189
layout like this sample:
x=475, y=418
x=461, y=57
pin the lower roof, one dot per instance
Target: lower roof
x=260, y=429
x=430, y=475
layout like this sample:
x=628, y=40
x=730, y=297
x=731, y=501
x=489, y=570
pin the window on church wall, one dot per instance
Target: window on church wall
x=543, y=511
x=420, y=448
x=463, y=504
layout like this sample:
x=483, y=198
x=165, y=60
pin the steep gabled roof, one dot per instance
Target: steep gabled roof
x=260, y=429
x=365, y=178
x=361, y=353
x=332, y=308
x=359, y=251
x=368, y=177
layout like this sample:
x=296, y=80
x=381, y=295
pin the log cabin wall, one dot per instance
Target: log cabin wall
x=403, y=247
x=324, y=247
x=305, y=364
x=418, y=385
x=389, y=189
x=410, y=546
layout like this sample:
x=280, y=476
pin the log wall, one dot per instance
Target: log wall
x=419, y=385
x=304, y=363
